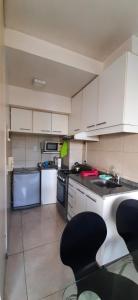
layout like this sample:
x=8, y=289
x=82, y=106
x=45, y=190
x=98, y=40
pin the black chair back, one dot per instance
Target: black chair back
x=127, y=223
x=127, y=226
x=81, y=239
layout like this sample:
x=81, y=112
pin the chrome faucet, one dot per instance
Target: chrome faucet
x=117, y=177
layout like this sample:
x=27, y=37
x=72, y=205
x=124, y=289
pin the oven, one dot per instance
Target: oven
x=62, y=194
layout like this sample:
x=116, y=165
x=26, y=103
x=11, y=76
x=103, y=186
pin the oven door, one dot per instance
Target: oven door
x=61, y=192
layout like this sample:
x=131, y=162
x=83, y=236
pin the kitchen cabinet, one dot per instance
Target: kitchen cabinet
x=90, y=105
x=111, y=94
x=71, y=200
x=21, y=120
x=81, y=199
x=41, y=122
x=118, y=94
x=75, y=119
x=59, y=124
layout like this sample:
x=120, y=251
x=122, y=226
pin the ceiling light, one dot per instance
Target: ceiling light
x=38, y=83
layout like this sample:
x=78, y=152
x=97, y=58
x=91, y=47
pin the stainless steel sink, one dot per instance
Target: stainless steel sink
x=106, y=183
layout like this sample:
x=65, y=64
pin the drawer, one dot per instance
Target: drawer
x=93, y=203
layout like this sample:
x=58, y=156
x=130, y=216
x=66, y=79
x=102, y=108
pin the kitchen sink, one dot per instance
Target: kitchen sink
x=106, y=183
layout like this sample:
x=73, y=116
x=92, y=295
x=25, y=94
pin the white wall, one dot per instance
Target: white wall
x=26, y=149
x=3, y=187
x=38, y=100
x=116, y=150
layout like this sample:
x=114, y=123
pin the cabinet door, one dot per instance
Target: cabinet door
x=21, y=120
x=71, y=202
x=80, y=201
x=75, y=119
x=59, y=124
x=41, y=122
x=111, y=94
x=90, y=106
x=91, y=204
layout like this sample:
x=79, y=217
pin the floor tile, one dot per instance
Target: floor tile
x=39, y=231
x=15, y=288
x=60, y=220
x=61, y=223
x=37, y=214
x=15, y=234
x=45, y=272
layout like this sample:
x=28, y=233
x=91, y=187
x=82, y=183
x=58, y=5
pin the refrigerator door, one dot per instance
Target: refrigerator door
x=26, y=189
x=48, y=186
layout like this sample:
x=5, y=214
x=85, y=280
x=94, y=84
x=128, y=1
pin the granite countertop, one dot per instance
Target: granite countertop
x=88, y=182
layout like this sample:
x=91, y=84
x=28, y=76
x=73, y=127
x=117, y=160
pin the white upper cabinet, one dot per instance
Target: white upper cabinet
x=111, y=94
x=131, y=90
x=118, y=96
x=21, y=120
x=59, y=124
x=90, y=106
x=75, y=119
x=41, y=122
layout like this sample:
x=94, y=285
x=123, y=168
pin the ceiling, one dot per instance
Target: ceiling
x=60, y=79
x=94, y=28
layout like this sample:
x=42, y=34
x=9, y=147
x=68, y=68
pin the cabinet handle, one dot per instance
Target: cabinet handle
x=80, y=191
x=43, y=130
x=56, y=130
x=102, y=123
x=90, y=126
x=70, y=195
x=91, y=198
x=76, y=129
x=25, y=129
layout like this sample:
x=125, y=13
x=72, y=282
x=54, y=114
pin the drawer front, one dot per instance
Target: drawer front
x=93, y=203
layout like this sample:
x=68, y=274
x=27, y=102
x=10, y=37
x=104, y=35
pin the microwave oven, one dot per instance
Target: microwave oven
x=50, y=147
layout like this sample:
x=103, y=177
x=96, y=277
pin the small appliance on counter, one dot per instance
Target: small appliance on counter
x=57, y=161
x=77, y=168
x=92, y=172
x=50, y=147
x=46, y=164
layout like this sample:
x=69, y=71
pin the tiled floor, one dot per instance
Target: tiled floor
x=34, y=269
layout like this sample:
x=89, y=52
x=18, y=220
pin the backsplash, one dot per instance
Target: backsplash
x=26, y=149
x=117, y=150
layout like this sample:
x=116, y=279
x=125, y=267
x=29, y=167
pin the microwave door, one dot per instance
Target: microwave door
x=52, y=147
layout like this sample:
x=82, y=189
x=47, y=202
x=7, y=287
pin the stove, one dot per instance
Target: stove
x=62, y=191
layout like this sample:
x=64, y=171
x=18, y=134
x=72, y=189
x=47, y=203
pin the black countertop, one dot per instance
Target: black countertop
x=88, y=182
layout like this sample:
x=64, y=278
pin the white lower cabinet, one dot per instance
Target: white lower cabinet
x=81, y=199
x=71, y=201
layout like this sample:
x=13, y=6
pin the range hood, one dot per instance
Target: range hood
x=84, y=136
x=81, y=136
